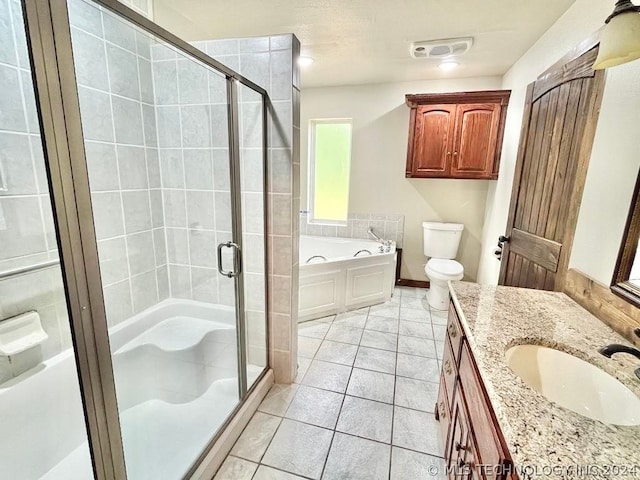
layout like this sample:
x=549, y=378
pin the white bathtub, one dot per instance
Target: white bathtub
x=176, y=379
x=343, y=281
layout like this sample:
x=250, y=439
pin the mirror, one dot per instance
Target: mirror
x=626, y=276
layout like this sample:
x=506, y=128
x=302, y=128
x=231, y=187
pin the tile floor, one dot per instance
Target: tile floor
x=362, y=404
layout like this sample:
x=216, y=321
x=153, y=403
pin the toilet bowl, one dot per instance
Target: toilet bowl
x=439, y=272
x=441, y=241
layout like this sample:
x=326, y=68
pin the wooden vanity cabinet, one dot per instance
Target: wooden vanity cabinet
x=456, y=135
x=469, y=429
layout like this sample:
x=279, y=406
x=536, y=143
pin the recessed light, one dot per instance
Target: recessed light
x=448, y=66
x=304, y=61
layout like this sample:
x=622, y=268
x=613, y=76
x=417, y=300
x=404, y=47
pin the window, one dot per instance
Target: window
x=329, y=165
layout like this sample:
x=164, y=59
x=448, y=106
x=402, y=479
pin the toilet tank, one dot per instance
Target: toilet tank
x=441, y=240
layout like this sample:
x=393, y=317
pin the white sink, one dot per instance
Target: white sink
x=575, y=384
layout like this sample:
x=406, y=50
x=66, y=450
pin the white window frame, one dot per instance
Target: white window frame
x=312, y=169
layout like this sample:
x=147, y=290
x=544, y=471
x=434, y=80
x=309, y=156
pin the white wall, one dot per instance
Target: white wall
x=598, y=214
x=611, y=177
x=378, y=183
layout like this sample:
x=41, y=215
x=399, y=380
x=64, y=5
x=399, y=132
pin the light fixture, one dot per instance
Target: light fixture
x=620, y=42
x=305, y=61
x=448, y=65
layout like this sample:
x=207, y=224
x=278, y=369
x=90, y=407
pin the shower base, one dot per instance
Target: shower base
x=176, y=380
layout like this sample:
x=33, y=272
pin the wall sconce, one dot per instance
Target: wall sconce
x=620, y=41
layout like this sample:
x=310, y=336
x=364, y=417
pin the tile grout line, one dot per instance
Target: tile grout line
x=344, y=394
x=333, y=435
x=395, y=387
x=335, y=428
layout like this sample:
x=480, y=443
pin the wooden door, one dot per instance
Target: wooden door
x=433, y=137
x=561, y=111
x=476, y=137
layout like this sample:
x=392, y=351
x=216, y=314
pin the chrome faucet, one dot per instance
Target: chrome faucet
x=374, y=235
x=609, y=350
x=386, y=244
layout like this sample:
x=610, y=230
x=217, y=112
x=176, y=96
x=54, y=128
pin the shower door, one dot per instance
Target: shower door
x=42, y=423
x=169, y=169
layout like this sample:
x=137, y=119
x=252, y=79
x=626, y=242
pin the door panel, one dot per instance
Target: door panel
x=158, y=163
x=556, y=138
x=43, y=431
x=252, y=190
x=432, y=142
x=474, y=148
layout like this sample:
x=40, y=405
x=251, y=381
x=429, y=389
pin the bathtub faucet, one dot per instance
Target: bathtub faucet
x=385, y=243
x=374, y=235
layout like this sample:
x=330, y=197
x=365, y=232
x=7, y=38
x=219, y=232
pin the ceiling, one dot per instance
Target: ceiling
x=367, y=41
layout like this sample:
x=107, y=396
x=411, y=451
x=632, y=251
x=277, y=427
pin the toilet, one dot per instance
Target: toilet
x=441, y=242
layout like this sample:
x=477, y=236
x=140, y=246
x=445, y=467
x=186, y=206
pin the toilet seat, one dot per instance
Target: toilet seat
x=441, y=269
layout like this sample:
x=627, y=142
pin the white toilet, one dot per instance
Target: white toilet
x=441, y=242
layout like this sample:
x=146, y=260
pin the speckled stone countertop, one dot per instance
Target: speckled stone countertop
x=538, y=432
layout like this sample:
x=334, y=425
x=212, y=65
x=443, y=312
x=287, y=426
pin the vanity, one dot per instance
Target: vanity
x=497, y=424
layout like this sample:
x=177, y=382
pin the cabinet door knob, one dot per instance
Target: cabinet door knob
x=453, y=331
x=455, y=154
x=447, y=367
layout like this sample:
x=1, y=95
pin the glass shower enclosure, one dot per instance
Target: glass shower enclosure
x=155, y=166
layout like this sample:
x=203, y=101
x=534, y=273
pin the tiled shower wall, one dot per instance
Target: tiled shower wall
x=133, y=163
x=26, y=227
x=192, y=121
x=115, y=87
x=389, y=227
x=271, y=62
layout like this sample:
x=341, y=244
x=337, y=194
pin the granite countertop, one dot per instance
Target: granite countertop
x=538, y=432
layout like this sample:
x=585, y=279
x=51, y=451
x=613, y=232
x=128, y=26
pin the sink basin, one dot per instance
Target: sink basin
x=575, y=384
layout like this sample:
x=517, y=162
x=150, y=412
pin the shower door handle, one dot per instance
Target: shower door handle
x=237, y=262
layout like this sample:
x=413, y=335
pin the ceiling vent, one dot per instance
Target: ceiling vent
x=451, y=47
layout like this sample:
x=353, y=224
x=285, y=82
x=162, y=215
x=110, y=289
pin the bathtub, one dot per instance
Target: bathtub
x=341, y=274
x=176, y=378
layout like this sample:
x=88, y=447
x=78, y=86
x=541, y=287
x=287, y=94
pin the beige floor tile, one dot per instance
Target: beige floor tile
x=408, y=465
x=416, y=394
x=256, y=437
x=234, y=468
x=355, y=458
x=299, y=448
x=384, y=341
x=376, y=359
x=278, y=399
x=337, y=352
x=416, y=430
x=382, y=324
x=366, y=418
x=341, y=333
x=371, y=385
x=315, y=406
x=328, y=376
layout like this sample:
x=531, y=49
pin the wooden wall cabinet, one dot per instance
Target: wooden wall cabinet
x=456, y=135
x=474, y=445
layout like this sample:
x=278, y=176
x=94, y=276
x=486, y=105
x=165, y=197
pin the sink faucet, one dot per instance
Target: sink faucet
x=609, y=350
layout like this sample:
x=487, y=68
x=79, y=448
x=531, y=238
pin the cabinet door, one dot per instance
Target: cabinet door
x=433, y=137
x=476, y=140
x=458, y=437
x=443, y=415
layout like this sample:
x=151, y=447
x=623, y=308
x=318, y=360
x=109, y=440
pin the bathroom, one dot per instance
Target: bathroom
x=178, y=301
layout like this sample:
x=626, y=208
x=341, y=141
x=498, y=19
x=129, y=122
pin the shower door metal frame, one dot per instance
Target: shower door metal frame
x=54, y=77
